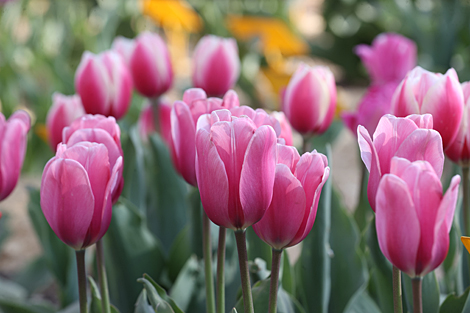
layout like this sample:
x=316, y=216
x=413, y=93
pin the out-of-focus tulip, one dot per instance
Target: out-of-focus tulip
x=297, y=188
x=147, y=120
x=104, y=84
x=413, y=218
x=184, y=117
x=76, y=192
x=389, y=58
x=410, y=138
x=151, y=65
x=64, y=110
x=216, y=65
x=235, y=168
x=459, y=150
x=124, y=47
x=286, y=129
x=426, y=92
x=310, y=99
x=13, y=142
x=99, y=129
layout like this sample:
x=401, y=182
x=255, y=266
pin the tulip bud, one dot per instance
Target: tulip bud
x=13, y=142
x=104, y=84
x=426, y=92
x=216, y=64
x=99, y=129
x=147, y=120
x=151, y=65
x=76, y=190
x=64, y=110
x=310, y=99
x=124, y=47
x=413, y=218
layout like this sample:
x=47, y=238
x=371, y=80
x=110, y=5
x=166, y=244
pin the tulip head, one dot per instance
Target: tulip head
x=13, y=141
x=310, y=99
x=413, y=218
x=64, y=110
x=426, y=92
x=104, y=84
x=124, y=47
x=76, y=193
x=151, y=65
x=216, y=64
x=286, y=129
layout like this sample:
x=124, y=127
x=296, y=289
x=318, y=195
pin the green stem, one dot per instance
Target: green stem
x=155, y=102
x=220, y=271
x=417, y=294
x=276, y=264
x=397, y=303
x=80, y=254
x=306, y=143
x=240, y=237
x=207, y=251
x=105, y=305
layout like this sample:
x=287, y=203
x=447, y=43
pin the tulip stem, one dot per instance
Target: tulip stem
x=207, y=251
x=220, y=271
x=276, y=264
x=240, y=237
x=306, y=143
x=155, y=102
x=397, y=303
x=80, y=254
x=417, y=294
x=105, y=305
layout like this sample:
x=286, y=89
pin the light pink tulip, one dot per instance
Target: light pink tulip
x=235, y=167
x=413, y=218
x=184, y=117
x=124, y=47
x=459, y=150
x=104, y=84
x=99, y=129
x=13, y=140
x=64, y=110
x=151, y=65
x=286, y=129
x=426, y=92
x=216, y=65
x=409, y=138
x=297, y=187
x=310, y=99
x=389, y=58
x=76, y=190
x=146, y=120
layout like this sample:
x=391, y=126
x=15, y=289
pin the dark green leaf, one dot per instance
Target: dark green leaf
x=362, y=303
x=95, y=303
x=288, y=275
x=13, y=299
x=186, y=284
x=453, y=303
x=142, y=305
x=157, y=302
x=162, y=293
x=180, y=252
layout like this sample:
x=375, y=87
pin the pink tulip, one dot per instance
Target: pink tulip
x=104, y=84
x=124, y=47
x=310, y=99
x=286, y=129
x=235, y=166
x=99, y=129
x=440, y=95
x=413, y=218
x=389, y=58
x=151, y=65
x=297, y=186
x=147, y=120
x=216, y=64
x=76, y=190
x=64, y=110
x=184, y=117
x=459, y=149
x=409, y=138
x=13, y=142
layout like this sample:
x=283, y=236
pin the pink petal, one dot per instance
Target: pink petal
x=422, y=120
x=193, y=94
x=288, y=156
x=230, y=100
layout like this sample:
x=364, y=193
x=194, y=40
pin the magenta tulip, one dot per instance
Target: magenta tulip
x=146, y=120
x=216, y=64
x=413, y=218
x=64, y=110
x=409, y=138
x=99, y=129
x=235, y=167
x=124, y=47
x=297, y=187
x=389, y=58
x=426, y=92
x=151, y=65
x=13, y=140
x=76, y=193
x=286, y=129
x=310, y=99
x=104, y=84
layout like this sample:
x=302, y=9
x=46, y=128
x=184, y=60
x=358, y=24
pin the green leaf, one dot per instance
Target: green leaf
x=13, y=299
x=142, y=305
x=180, y=252
x=35, y=275
x=362, y=303
x=430, y=293
x=288, y=275
x=186, y=284
x=453, y=303
x=95, y=303
x=162, y=293
x=363, y=212
x=4, y=229
x=157, y=302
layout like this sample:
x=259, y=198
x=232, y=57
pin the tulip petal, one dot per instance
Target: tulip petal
x=288, y=156
x=193, y=94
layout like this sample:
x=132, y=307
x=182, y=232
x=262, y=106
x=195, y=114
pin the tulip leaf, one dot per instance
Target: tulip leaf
x=453, y=303
x=156, y=301
x=4, y=230
x=430, y=293
x=451, y=265
x=186, y=283
x=195, y=220
x=162, y=293
x=35, y=275
x=362, y=303
x=142, y=305
x=13, y=299
x=288, y=275
x=363, y=212
x=95, y=303
x=180, y=252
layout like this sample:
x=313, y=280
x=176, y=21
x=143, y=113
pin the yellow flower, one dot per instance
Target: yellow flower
x=175, y=14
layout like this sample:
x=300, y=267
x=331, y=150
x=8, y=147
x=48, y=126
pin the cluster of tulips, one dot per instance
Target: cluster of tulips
x=242, y=160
